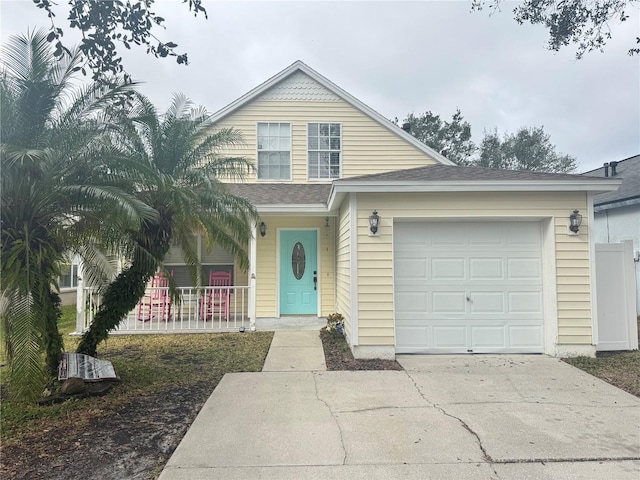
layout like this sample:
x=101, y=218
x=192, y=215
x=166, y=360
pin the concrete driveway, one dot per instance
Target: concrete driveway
x=444, y=417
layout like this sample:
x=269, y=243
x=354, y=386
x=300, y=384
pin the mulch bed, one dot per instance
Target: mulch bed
x=338, y=356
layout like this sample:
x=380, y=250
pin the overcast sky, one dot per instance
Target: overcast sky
x=399, y=57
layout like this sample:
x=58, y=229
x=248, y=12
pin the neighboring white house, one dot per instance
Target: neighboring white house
x=68, y=281
x=617, y=213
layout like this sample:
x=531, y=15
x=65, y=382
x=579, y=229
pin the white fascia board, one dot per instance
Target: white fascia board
x=617, y=204
x=302, y=209
x=335, y=198
x=471, y=186
x=257, y=91
x=347, y=97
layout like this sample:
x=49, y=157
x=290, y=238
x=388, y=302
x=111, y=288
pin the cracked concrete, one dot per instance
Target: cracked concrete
x=333, y=415
x=449, y=417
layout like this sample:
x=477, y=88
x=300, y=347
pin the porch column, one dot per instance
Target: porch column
x=80, y=300
x=252, y=276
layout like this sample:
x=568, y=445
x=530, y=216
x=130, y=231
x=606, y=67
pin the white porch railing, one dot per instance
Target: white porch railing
x=157, y=313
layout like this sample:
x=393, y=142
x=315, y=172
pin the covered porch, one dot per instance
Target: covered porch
x=255, y=299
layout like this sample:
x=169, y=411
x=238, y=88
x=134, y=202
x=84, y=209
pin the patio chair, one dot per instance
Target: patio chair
x=216, y=299
x=156, y=302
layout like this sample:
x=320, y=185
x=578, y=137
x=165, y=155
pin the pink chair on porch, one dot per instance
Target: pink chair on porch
x=156, y=302
x=216, y=300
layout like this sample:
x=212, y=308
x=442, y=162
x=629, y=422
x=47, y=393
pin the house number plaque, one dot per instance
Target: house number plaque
x=298, y=260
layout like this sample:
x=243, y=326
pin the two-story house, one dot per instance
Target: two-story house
x=418, y=255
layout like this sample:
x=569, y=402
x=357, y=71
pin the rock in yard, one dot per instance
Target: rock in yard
x=73, y=386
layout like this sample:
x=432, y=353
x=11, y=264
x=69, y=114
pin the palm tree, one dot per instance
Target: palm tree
x=57, y=186
x=182, y=148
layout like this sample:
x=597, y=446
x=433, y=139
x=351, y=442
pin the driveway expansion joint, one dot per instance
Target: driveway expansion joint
x=510, y=461
x=344, y=448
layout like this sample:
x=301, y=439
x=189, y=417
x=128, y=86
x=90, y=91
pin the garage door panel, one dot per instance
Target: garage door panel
x=450, y=337
x=412, y=268
x=525, y=302
x=524, y=234
x=448, y=269
x=487, y=302
x=488, y=337
x=413, y=235
x=446, y=235
x=480, y=289
x=413, y=337
x=527, y=337
x=486, y=268
x=520, y=268
x=448, y=302
x=486, y=235
x=409, y=302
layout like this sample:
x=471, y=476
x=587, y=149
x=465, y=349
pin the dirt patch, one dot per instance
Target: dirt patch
x=136, y=441
x=133, y=443
x=338, y=356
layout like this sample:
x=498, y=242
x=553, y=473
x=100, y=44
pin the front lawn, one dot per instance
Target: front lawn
x=131, y=431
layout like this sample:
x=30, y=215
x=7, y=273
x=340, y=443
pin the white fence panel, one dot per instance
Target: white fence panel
x=616, y=297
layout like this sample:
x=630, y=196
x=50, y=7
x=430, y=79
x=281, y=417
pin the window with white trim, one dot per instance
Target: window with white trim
x=69, y=275
x=274, y=151
x=325, y=150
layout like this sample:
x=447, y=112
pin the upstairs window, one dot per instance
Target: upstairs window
x=325, y=150
x=274, y=151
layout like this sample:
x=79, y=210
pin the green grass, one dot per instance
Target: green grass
x=146, y=364
x=621, y=369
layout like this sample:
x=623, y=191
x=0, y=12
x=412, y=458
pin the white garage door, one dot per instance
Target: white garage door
x=468, y=287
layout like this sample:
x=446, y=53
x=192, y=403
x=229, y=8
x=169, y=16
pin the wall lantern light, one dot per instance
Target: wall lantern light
x=263, y=229
x=374, y=222
x=575, y=220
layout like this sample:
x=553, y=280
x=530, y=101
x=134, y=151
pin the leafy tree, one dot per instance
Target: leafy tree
x=105, y=24
x=530, y=148
x=450, y=138
x=181, y=149
x=584, y=23
x=55, y=191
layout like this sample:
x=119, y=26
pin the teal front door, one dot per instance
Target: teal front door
x=298, y=272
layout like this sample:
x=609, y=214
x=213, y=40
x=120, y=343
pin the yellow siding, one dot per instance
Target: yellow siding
x=266, y=263
x=367, y=147
x=375, y=264
x=343, y=267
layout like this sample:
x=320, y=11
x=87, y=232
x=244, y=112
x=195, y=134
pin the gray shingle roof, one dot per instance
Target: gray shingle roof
x=317, y=194
x=282, y=193
x=629, y=171
x=454, y=173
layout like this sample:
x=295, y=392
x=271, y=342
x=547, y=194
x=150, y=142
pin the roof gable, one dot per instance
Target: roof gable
x=299, y=86
x=290, y=82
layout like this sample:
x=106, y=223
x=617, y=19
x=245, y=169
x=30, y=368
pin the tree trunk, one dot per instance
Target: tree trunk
x=124, y=293
x=121, y=297
x=53, y=342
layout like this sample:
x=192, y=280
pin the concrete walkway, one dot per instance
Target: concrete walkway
x=444, y=417
x=295, y=351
